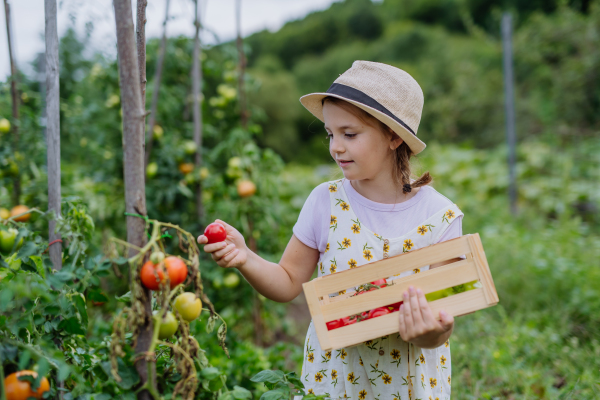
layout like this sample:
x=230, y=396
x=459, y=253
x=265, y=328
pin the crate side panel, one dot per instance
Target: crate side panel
x=394, y=265
x=429, y=281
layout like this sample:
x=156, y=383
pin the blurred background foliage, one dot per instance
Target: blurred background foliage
x=540, y=342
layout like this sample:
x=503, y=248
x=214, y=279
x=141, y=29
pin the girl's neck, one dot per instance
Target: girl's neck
x=381, y=191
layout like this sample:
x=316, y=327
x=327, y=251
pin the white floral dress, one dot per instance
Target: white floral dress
x=386, y=368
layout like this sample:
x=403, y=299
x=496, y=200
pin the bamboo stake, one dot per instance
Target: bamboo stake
x=133, y=152
x=157, y=79
x=197, y=89
x=141, y=46
x=53, y=128
x=15, y=100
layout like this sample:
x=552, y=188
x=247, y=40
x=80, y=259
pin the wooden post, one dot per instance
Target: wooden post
x=509, y=102
x=133, y=153
x=197, y=89
x=53, y=127
x=141, y=46
x=242, y=64
x=15, y=100
x=157, y=79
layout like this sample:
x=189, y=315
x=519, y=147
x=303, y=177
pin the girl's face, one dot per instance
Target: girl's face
x=361, y=151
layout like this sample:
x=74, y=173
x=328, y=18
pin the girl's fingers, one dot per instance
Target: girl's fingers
x=408, y=318
x=415, y=309
x=211, y=248
x=446, y=320
x=426, y=313
x=202, y=239
x=223, y=251
x=230, y=256
x=402, y=324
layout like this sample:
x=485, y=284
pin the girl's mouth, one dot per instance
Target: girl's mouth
x=344, y=163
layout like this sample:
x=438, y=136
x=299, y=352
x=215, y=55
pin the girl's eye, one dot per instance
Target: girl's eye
x=348, y=135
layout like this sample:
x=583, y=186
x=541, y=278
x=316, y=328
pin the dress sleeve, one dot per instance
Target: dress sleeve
x=312, y=226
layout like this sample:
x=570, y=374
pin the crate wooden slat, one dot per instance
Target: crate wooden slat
x=324, y=309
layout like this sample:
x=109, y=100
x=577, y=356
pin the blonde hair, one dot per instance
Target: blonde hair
x=401, y=171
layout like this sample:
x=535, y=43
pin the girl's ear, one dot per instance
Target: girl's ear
x=395, y=141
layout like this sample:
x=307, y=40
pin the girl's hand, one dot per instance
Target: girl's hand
x=232, y=253
x=417, y=324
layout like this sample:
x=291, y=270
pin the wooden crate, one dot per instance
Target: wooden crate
x=324, y=309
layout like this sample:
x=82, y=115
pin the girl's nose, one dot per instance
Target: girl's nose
x=335, y=146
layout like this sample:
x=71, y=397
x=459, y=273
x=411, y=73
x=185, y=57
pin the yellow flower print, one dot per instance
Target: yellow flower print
x=351, y=377
x=352, y=263
x=432, y=382
x=327, y=248
x=422, y=230
x=386, y=379
x=355, y=228
x=408, y=244
x=443, y=360
x=318, y=377
x=430, y=398
x=321, y=268
x=422, y=378
x=328, y=354
x=344, y=206
x=333, y=220
x=333, y=374
x=449, y=380
x=346, y=242
x=310, y=391
x=341, y=292
x=416, y=270
x=367, y=255
x=410, y=394
x=360, y=361
x=422, y=358
x=311, y=357
x=333, y=268
x=386, y=248
x=332, y=188
x=395, y=354
x=447, y=344
x=450, y=214
x=343, y=354
x=362, y=394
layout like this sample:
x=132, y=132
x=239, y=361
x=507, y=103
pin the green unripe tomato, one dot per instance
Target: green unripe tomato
x=168, y=325
x=4, y=125
x=157, y=257
x=157, y=132
x=7, y=240
x=188, y=306
x=234, y=162
x=231, y=280
x=189, y=147
x=151, y=170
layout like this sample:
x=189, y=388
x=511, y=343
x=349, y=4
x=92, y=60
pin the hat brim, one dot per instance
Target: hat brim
x=312, y=102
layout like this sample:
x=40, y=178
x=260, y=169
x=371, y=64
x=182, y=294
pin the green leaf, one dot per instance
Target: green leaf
x=81, y=308
x=294, y=380
x=129, y=376
x=27, y=250
x=72, y=326
x=210, y=324
x=210, y=373
x=268, y=376
x=241, y=393
x=276, y=394
x=39, y=265
x=126, y=298
x=96, y=295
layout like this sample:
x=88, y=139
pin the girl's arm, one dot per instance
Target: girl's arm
x=280, y=282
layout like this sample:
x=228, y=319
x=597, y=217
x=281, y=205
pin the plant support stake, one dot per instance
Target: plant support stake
x=509, y=102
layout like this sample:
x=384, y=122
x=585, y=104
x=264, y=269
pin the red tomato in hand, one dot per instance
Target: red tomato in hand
x=338, y=323
x=215, y=233
x=176, y=269
x=151, y=275
x=378, y=312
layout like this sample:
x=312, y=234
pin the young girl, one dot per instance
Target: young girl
x=371, y=115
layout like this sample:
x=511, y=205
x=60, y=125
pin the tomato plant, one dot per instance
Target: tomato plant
x=152, y=275
x=22, y=385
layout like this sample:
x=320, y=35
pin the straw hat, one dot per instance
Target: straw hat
x=388, y=93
